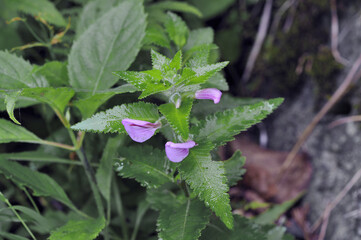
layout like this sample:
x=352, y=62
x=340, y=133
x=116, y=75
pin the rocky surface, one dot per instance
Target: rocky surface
x=335, y=152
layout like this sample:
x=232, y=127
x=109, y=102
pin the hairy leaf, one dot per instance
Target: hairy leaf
x=199, y=37
x=81, y=230
x=177, y=29
x=88, y=103
x=178, y=118
x=110, y=44
x=200, y=75
x=40, y=183
x=216, y=81
x=183, y=222
x=43, y=8
x=10, y=132
x=55, y=73
x=110, y=121
x=148, y=166
x=15, y=73
x=233, y=167
x=155, y=34
x=222, y=126
x=207, y=179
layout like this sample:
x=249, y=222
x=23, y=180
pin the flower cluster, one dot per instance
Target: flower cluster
x=140, y=131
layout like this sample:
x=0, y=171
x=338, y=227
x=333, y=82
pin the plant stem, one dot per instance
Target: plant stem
x=142, y=209
x=20, y=219
x=59, y=145
x=184, y=188
x=119, y=206
x=36, y=36
x=31, y=200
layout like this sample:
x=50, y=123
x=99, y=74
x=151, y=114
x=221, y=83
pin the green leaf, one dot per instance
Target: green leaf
x=42, y=8
x=200, y=75
x=233, y=167
x=40, y=183
x=199, y=37
x=211, y=8
x=207, y=179
x=183, y=222
x=105, y=170
x=222, y=126
x=81, y=230
x=92, y=11
x=15, y=73
x=11, y=236
x=159, y=61
x=10, y=100
x=162, y=196
x=155, y=34
x=10, y=132
x=178, y=118
x=88, y=103
x=217, y=81
x=176, y=62
x=177, y=7
x=55, y=72
x=150, y=167
x=177, y=29
x=110, y=121
x=275, y=212
x=149, y=82
x=110, y=44
x=37, y=156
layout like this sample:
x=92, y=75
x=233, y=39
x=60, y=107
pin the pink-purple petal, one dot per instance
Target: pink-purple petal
x=209, y=93
x=138, y=130
x=176, y=152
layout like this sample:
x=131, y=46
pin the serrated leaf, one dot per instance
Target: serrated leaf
x=40, y=183
x=81, y=230
x=43, y=8
x=10, y=100
x=110, y=44
x=155, y=34
x=159, y=61
x=162, y=196
x=198, y=56
x=105, y=169
x=176, y=6
x=178, y=118
x=207, y=179
x=216, y=81
x=110, y=121
x=200, y=75
x=183, y=222
x=176, y=62
x=222, y=126
x=198, y=37
x=92, y=11
x=15, y=73
x=88, y=103
x=233, y=167
x=149, y=82
x=10, y=132
x=55, y=73
x=177, y=29
x=150, y=167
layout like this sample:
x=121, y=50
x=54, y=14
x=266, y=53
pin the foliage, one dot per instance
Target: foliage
x=122, y=61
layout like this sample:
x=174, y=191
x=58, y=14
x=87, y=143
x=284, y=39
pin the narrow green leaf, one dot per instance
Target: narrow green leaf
x=272, y=214
x=105, y=171
x=110, y=44
x=11, y=236
x=55, y=72
x=159, y=61
x=177, y=29
x=183, y=222
x=207, y=179
x=40, y=183
x=233, y=167
x=150, y=167
x=222, y=126
x=178, y=118
x=199, y=37
x=176, y=62
x=43, y=8
x=10, y=132
x=110, y=121
x=177, y=7
x=80, y=230
x=200, y=75
x=10, y=100
x=211, y=9
x=88, y=103
x=15, y=73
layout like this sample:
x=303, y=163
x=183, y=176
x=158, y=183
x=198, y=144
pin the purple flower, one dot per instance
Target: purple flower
x=176, y=152
x=209, y=93
x=140, y=131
